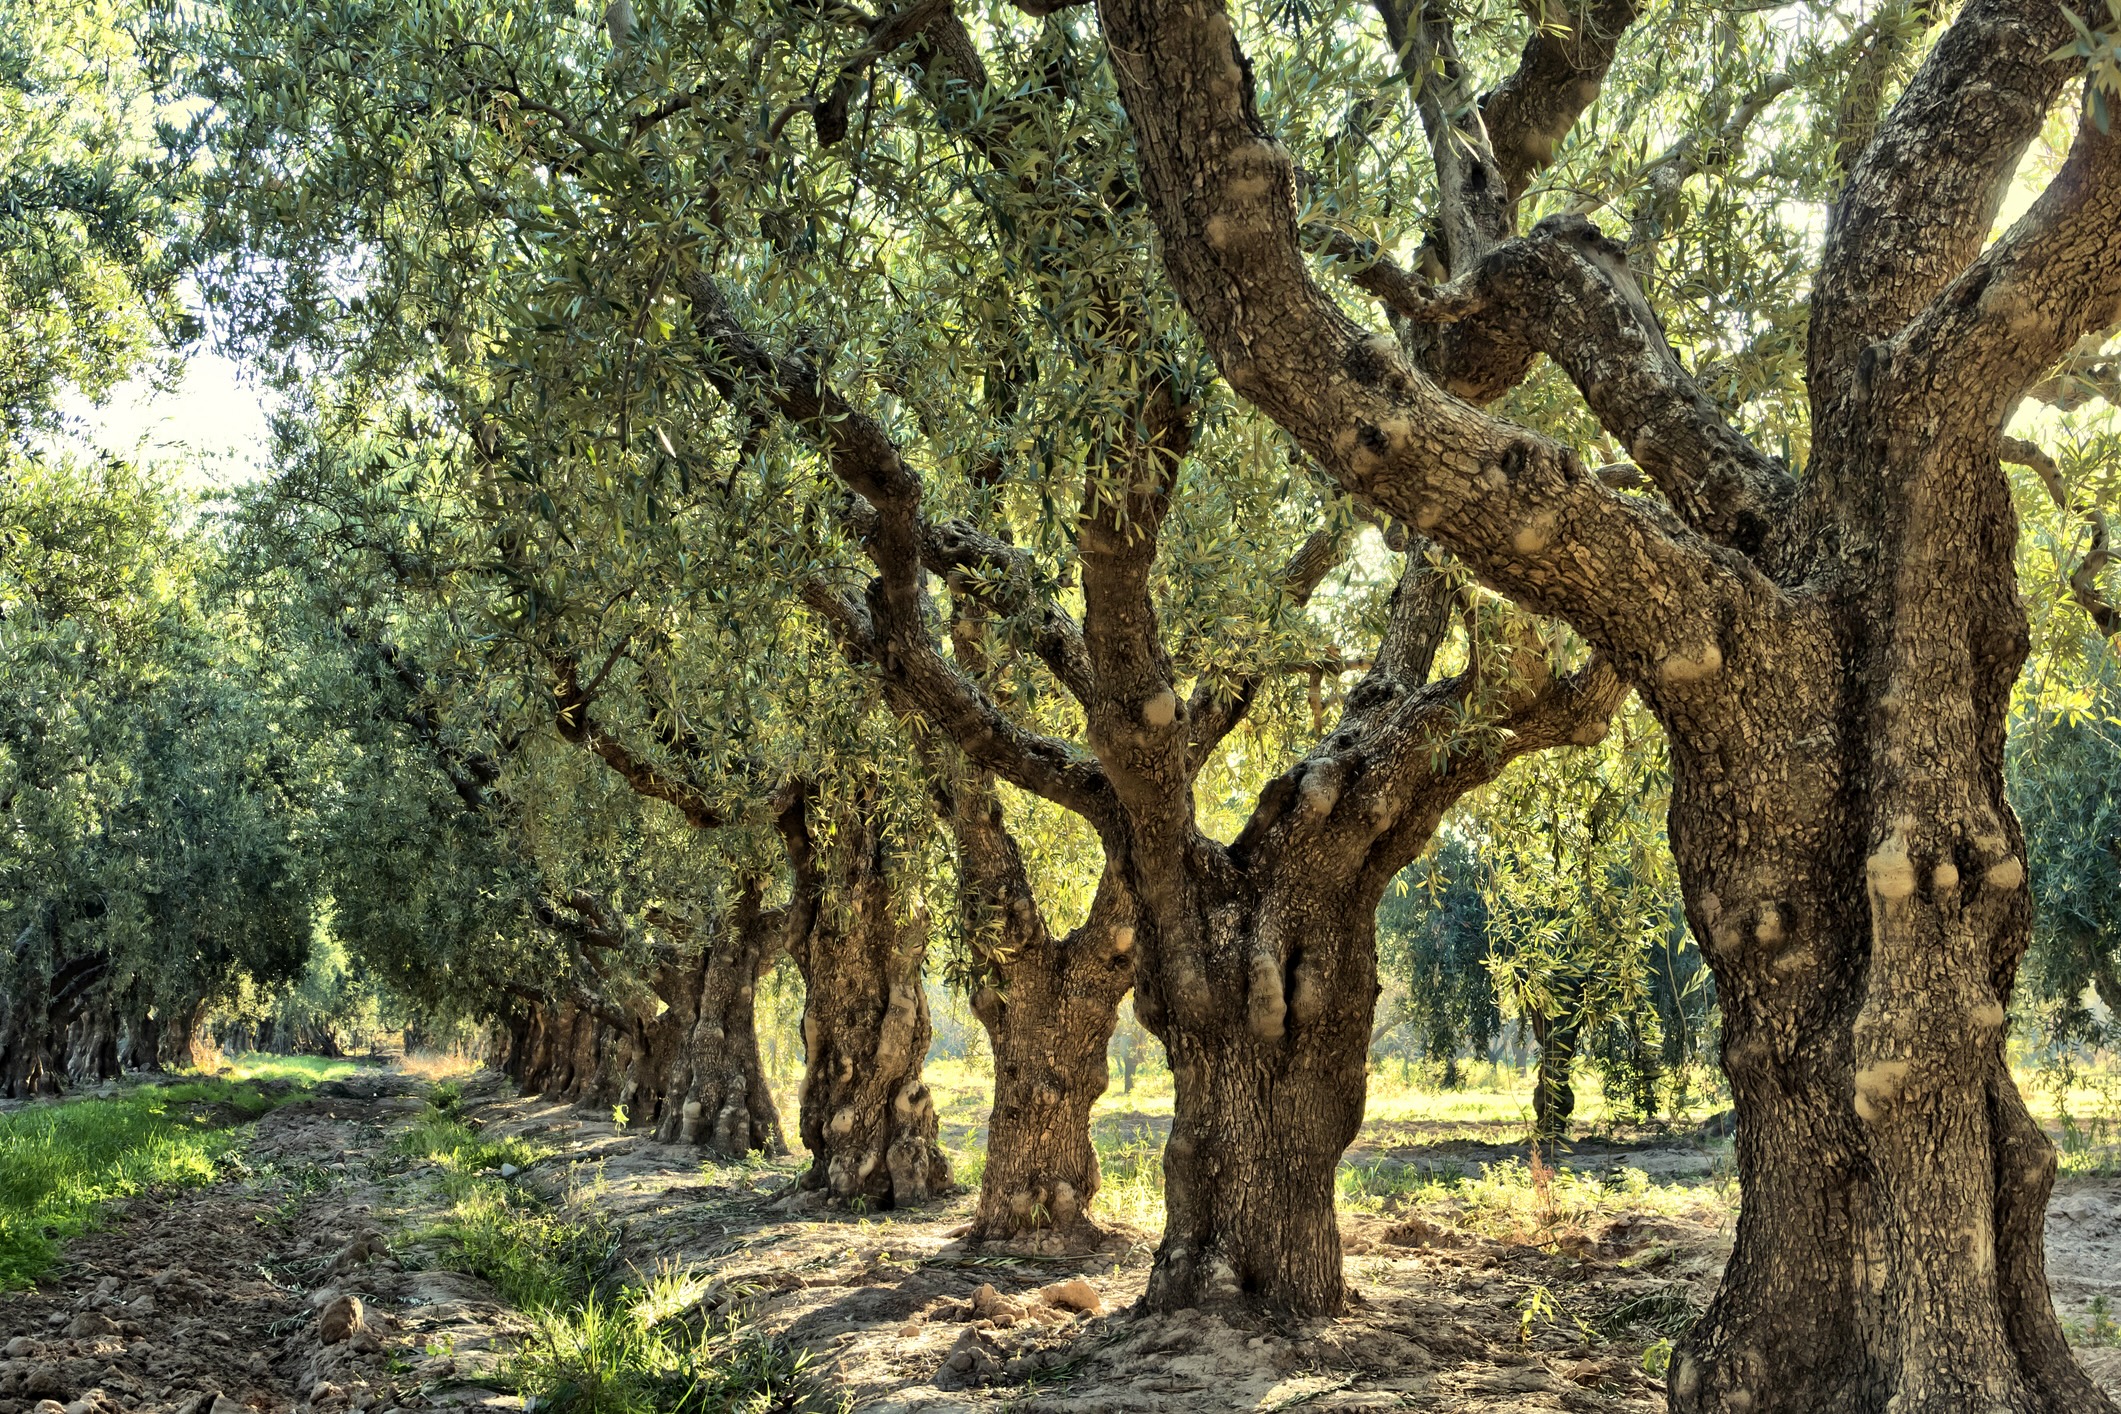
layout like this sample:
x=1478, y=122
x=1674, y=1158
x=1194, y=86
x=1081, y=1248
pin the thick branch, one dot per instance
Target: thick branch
x=2053, y=278
x=571, y=716
x=1523, y=513
x=1563, y=66
x=1567, y=291
x=1920, y=202
x=923, y=683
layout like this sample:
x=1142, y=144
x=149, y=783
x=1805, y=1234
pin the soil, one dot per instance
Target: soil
x=219, y=1300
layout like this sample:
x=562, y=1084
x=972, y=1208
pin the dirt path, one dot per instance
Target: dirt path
x=231, y=1298
x=270, y=1290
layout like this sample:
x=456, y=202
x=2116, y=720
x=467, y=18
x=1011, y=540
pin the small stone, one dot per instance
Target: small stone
x=1074, y=1294
x=21, y=1347
x=341, y=1320
x=908, y=1330
x=90, y=1323
x=509, y=1170
x=49, y=1406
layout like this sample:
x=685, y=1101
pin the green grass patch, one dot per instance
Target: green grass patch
x=60, y=1163
x=295, y=1070
x=537, y=1256
x=648, y=1347
x=655, y=1348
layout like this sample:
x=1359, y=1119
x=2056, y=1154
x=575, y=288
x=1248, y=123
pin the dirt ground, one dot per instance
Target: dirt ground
x=233, y=1297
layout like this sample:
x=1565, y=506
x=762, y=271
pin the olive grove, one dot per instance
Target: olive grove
x=1327, y=528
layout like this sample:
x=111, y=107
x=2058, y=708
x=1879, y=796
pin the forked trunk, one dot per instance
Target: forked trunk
x=867, y=1117
x=713, y=1089
x=1049, y=1006
x=1859, y=883
x=1270, y=1081
x=1049, y=1021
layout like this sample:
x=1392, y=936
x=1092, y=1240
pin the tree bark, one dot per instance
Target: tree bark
x=1049, y=1006
x=1269, y=1088
x=179, y=1045
x=866, y=1116
x=713, y=1089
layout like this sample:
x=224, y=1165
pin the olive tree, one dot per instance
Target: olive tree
x=1830, y=647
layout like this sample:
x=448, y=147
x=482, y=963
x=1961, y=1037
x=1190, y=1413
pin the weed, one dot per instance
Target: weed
x=1669, y=1311
x=2099, y=1329
x=652, y=1350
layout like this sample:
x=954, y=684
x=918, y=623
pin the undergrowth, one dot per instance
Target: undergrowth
x=672, y=1343
x=60, y=1163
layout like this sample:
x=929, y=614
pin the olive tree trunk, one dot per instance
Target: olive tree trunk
x=866, y=1115
x=1831, y=654
x=1049, y=1006
x=713, y=1089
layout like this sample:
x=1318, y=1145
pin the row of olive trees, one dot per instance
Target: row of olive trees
x=891, y=444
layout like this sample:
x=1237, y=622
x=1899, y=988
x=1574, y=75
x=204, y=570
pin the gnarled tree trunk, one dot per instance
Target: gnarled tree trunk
x=1258, y=963
x=1264, y=1004
x=1831, y=655
x=867, y=1117
x=1048, y=1005
x=713, y=1088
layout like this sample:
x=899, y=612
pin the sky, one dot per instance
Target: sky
x=213, y=424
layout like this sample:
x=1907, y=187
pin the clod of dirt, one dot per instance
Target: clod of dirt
x=91, y=1323
x=990, y=1305
x=970, y=1362
x=1417, y=1232
x=366, y=1248
x=341, y=1319
x=215, y=1403
x=20, y=1348
x=1074, y=1294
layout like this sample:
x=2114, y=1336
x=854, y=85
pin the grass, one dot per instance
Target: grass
x=296, y=1070
x=655, y=1347
x=671, y=1343
x=61, y=1163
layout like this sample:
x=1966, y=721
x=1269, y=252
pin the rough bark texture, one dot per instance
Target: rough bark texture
x=867, y=1117
x=1831, y=659
x=1049, y=1006
x=713, y=1089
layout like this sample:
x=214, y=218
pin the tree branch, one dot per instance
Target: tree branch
x=1522, y=513
x=2053, y=277
x=2084, y=577
x=571, y=704
x=1920, y=201
x=1568, y=292
x=1213, y=713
